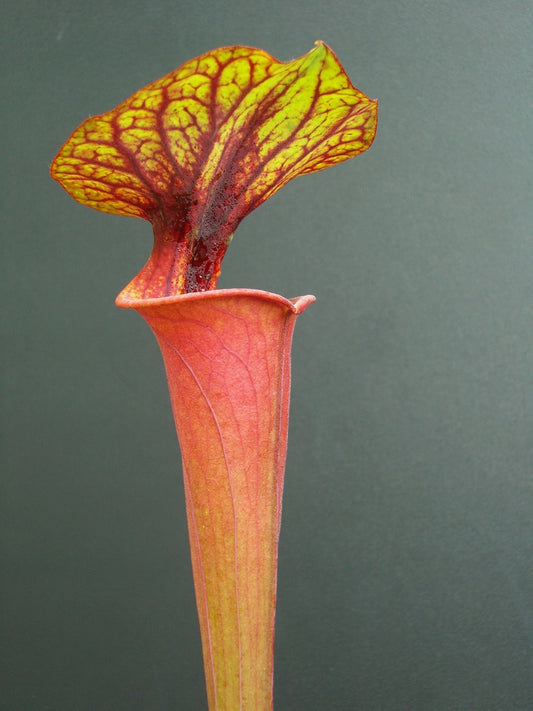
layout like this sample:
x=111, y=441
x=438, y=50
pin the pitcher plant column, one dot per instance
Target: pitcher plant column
x=194, y=153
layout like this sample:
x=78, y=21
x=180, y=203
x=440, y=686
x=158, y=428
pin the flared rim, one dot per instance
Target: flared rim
x=296, y=304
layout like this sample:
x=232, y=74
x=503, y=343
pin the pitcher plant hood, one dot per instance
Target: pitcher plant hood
x=200, y=148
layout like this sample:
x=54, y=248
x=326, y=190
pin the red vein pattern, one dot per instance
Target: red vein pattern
x=199, y=149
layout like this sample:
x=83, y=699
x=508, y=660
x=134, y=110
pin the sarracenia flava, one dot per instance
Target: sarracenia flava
x=194, y=153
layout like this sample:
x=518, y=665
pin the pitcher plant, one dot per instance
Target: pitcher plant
x=194, y=153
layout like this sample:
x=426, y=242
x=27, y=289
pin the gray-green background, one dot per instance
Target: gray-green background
x=405, y=577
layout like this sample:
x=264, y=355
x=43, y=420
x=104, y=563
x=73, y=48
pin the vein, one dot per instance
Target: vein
x=230, y=483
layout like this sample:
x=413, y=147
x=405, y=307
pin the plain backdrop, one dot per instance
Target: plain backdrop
x=405, y=579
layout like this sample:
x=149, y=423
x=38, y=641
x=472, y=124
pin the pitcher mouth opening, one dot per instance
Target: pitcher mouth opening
x=297, y=304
